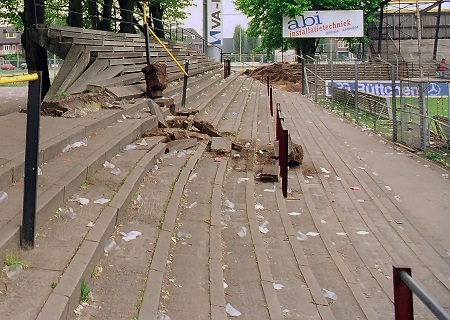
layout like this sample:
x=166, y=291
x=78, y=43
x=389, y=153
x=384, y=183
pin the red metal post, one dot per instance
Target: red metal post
x=278, y=127
x=403, y=297
x=284, y=162
x=271, y=101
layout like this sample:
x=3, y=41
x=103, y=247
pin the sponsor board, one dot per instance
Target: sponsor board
x=325, y=24
x=384, y=88
x=215, y=26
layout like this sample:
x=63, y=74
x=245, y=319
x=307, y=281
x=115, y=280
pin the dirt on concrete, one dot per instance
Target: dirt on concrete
x=77, y=104
x=279, y=75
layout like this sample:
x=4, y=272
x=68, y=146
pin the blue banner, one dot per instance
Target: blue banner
x=384, y=88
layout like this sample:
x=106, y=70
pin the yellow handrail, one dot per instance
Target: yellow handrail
x=167, y=50
x=20, y=78
x=159, y=41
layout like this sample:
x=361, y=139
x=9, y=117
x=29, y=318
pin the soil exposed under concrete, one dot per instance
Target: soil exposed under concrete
x=279, y=75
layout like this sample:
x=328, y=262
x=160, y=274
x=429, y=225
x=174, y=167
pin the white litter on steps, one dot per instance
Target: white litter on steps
x=232, y=312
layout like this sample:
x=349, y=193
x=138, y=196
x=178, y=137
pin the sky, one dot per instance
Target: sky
x=231, y=18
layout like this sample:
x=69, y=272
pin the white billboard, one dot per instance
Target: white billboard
x=215, y=26
x=325, y=24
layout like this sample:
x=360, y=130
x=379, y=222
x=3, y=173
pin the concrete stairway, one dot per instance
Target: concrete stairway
x=67, y=249
x=95, y=60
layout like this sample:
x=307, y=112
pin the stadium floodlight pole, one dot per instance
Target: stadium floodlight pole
x=147, y=40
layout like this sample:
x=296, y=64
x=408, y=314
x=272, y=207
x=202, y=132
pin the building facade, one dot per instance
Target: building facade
x=10, y=43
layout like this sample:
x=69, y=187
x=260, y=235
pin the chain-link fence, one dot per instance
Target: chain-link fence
x=412, y=111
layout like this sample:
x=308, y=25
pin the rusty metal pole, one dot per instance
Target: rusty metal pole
x=284, y=162
x=277, y=127
x=403, y=298
x=271, y=101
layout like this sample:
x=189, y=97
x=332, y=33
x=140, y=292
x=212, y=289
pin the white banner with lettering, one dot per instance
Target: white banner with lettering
x=215, y=26
x=325, y=24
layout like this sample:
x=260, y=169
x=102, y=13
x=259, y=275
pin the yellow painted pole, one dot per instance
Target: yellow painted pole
x=167, y=50
x=144, y=8
x=21, y=78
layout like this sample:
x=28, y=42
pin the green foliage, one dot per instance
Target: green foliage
x=84, y=292
x=252, y=43
x=266, y=18
x=56, y=11
x=174, y=10
x=9, y=12
x=11, y=260
x=239, y=38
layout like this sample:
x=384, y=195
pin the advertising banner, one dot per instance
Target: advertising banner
x=325, y=24
x=215, y=26
x=384, y=88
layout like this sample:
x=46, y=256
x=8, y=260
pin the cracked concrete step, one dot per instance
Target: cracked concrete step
x=65, y=172
x=65, y=248
x=55, y=134
x=197, y=249
x=119, y=288
x=230, y=115
x=201, y=89
x=151, y=297
x=207, y=100
x=385, y=243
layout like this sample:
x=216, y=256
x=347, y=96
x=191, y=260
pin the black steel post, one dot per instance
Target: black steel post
x=332, y=82
x=31, y=163
x=185, y=82
x=380, y=27
x=316, y=87
x=147, y=43
x=436, y=35
x=304, y=84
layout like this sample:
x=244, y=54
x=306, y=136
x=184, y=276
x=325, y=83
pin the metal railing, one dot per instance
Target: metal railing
x=404, y=287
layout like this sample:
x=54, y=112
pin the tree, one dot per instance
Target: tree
x=126, y=13
x=239, y=39
x=75, y=17
x=252, y=42
x=266, y=18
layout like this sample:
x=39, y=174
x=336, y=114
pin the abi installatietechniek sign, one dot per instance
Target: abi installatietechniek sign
x=325, y=24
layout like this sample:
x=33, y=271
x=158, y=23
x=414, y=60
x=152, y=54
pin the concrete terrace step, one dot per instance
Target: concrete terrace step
x=128, y=268
x=66, y=249
x=52, y=192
